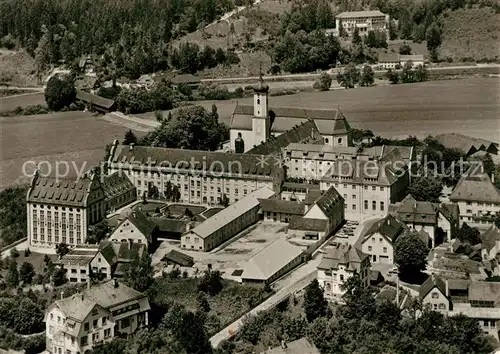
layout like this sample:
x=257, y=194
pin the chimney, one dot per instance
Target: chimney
x=493, y=178
x=447, y=288
x=62, y=295
x=115, y=283
x=188, y=227
x=131, y=146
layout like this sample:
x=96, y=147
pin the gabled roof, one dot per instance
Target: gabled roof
x=467, y=144
x=125, y=251
x=412, y=211
x=270, y=260
x=329, y=201
x=179, y=258
x=450, y=211
x=477, y=188
x=389, y=58
x=61, y=191
x=343, y=254
x=77, y=257
x=203, y=162
x=94, y=99
x=281, y=206
x=412, y=57
x=328, y=121
x=169, y=225
x=485, y=291
x=305, y=224
x=141, y=222
x=108, y=252
x=105, y=295
x=116, y=184
x=388, y=227
x=305, y=132
x=232, y=212
x=372, y=13
x=430, y=283
x=490, y=237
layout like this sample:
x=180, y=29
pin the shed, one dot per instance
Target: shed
x=179, y=258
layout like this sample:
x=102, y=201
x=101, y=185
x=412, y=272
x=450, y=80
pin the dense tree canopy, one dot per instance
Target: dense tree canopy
x=60, y=93
x=13, y=214
x=410, y=254
x=193, y=127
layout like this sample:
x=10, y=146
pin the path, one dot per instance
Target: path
x=20, y=247
x=282, y=294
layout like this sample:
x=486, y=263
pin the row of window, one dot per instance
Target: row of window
x=374, y=204
x=483, y=204
x=49, y=207
x=384, y=249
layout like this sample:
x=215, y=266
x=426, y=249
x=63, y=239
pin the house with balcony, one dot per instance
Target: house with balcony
x=338, y=264
x=95, y=316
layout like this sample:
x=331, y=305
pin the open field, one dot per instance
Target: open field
x=75, y=138
x=36, y=259
x=10, y=103
x=17, y=68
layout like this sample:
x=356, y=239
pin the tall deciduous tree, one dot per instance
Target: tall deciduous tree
x=315, y=304
x=410, y=254
x=59, y=93
x=356, y=38
x=350, y=77
x=433, y=38
x=367, y=76
x=139, y=274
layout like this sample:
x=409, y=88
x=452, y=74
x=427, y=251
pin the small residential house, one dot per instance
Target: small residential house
x=185, y=79
x=378, y=240
x=439, y=221
x=478, y=200
x=227, y=223
x=272, y=262
x=389, y=61
x=178, y=258
x=490, y=249
x=434, y=292
x=338, y=264
x=77, y=262
x=136, y=228
x=326, y=208
x=93, y=317
x=278, y=210
x=416, y=59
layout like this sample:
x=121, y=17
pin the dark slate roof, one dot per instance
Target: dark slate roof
x=281, y=206
x=477, y=188
x=412, y=211
x=77, y=257
x=94, y=99
x=179, y=258
x=359, y=171
x=312, y=196
x=170, y=225
x=142, y=222
x=328, y=121
x=180, y=159
x=389, y=58
x=62, y=191
x=305, y=132
x=466, y=144
x=108, y=252
x=343, y=254
x=329, y=200
x=388, y=227
x=450, y=211
x=303, y=224
x=490, y=237
x=430, y=283
x=185, y=79
x=116, y=184
x=125, y=251
x=485, y=291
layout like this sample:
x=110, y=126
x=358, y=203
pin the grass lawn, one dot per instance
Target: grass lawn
x=34, y=258
x=211, y=212
x=230, y=304
x=179, y=209
x=150, y=206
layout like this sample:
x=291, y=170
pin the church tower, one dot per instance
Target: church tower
x=261, y=125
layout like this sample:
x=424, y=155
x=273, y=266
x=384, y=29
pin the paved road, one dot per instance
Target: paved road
x=230, y=330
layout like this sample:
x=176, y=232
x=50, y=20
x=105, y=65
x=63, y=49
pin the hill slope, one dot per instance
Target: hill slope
x=471, y=34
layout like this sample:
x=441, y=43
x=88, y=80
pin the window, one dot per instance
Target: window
x=341, y=277
x=374, y=205
x=107, y=333
x=51, y=329
x=374, y=188
x=353, y=186
x=94, y=323
x=369, y=248
x=345, y=196
x=382, y=206
x=442, y=306
x=84, y=341
x=385, y=249
x=125, y=323
x=380, y=239
x=326, y=140
x=58, y=319
x=354, y=207
x=366, y=204
x=51, y=316
x=94, y=312
x=86, y=327
x=95, y=337
x=340, y=140
x=381, y=189
x=354, y=196
x=104, y=319
x=366, y=188
x=435, y=306
x=435, y=295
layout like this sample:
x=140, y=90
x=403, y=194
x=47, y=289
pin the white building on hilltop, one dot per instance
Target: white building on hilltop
x=364, y=21
x=93, y=317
